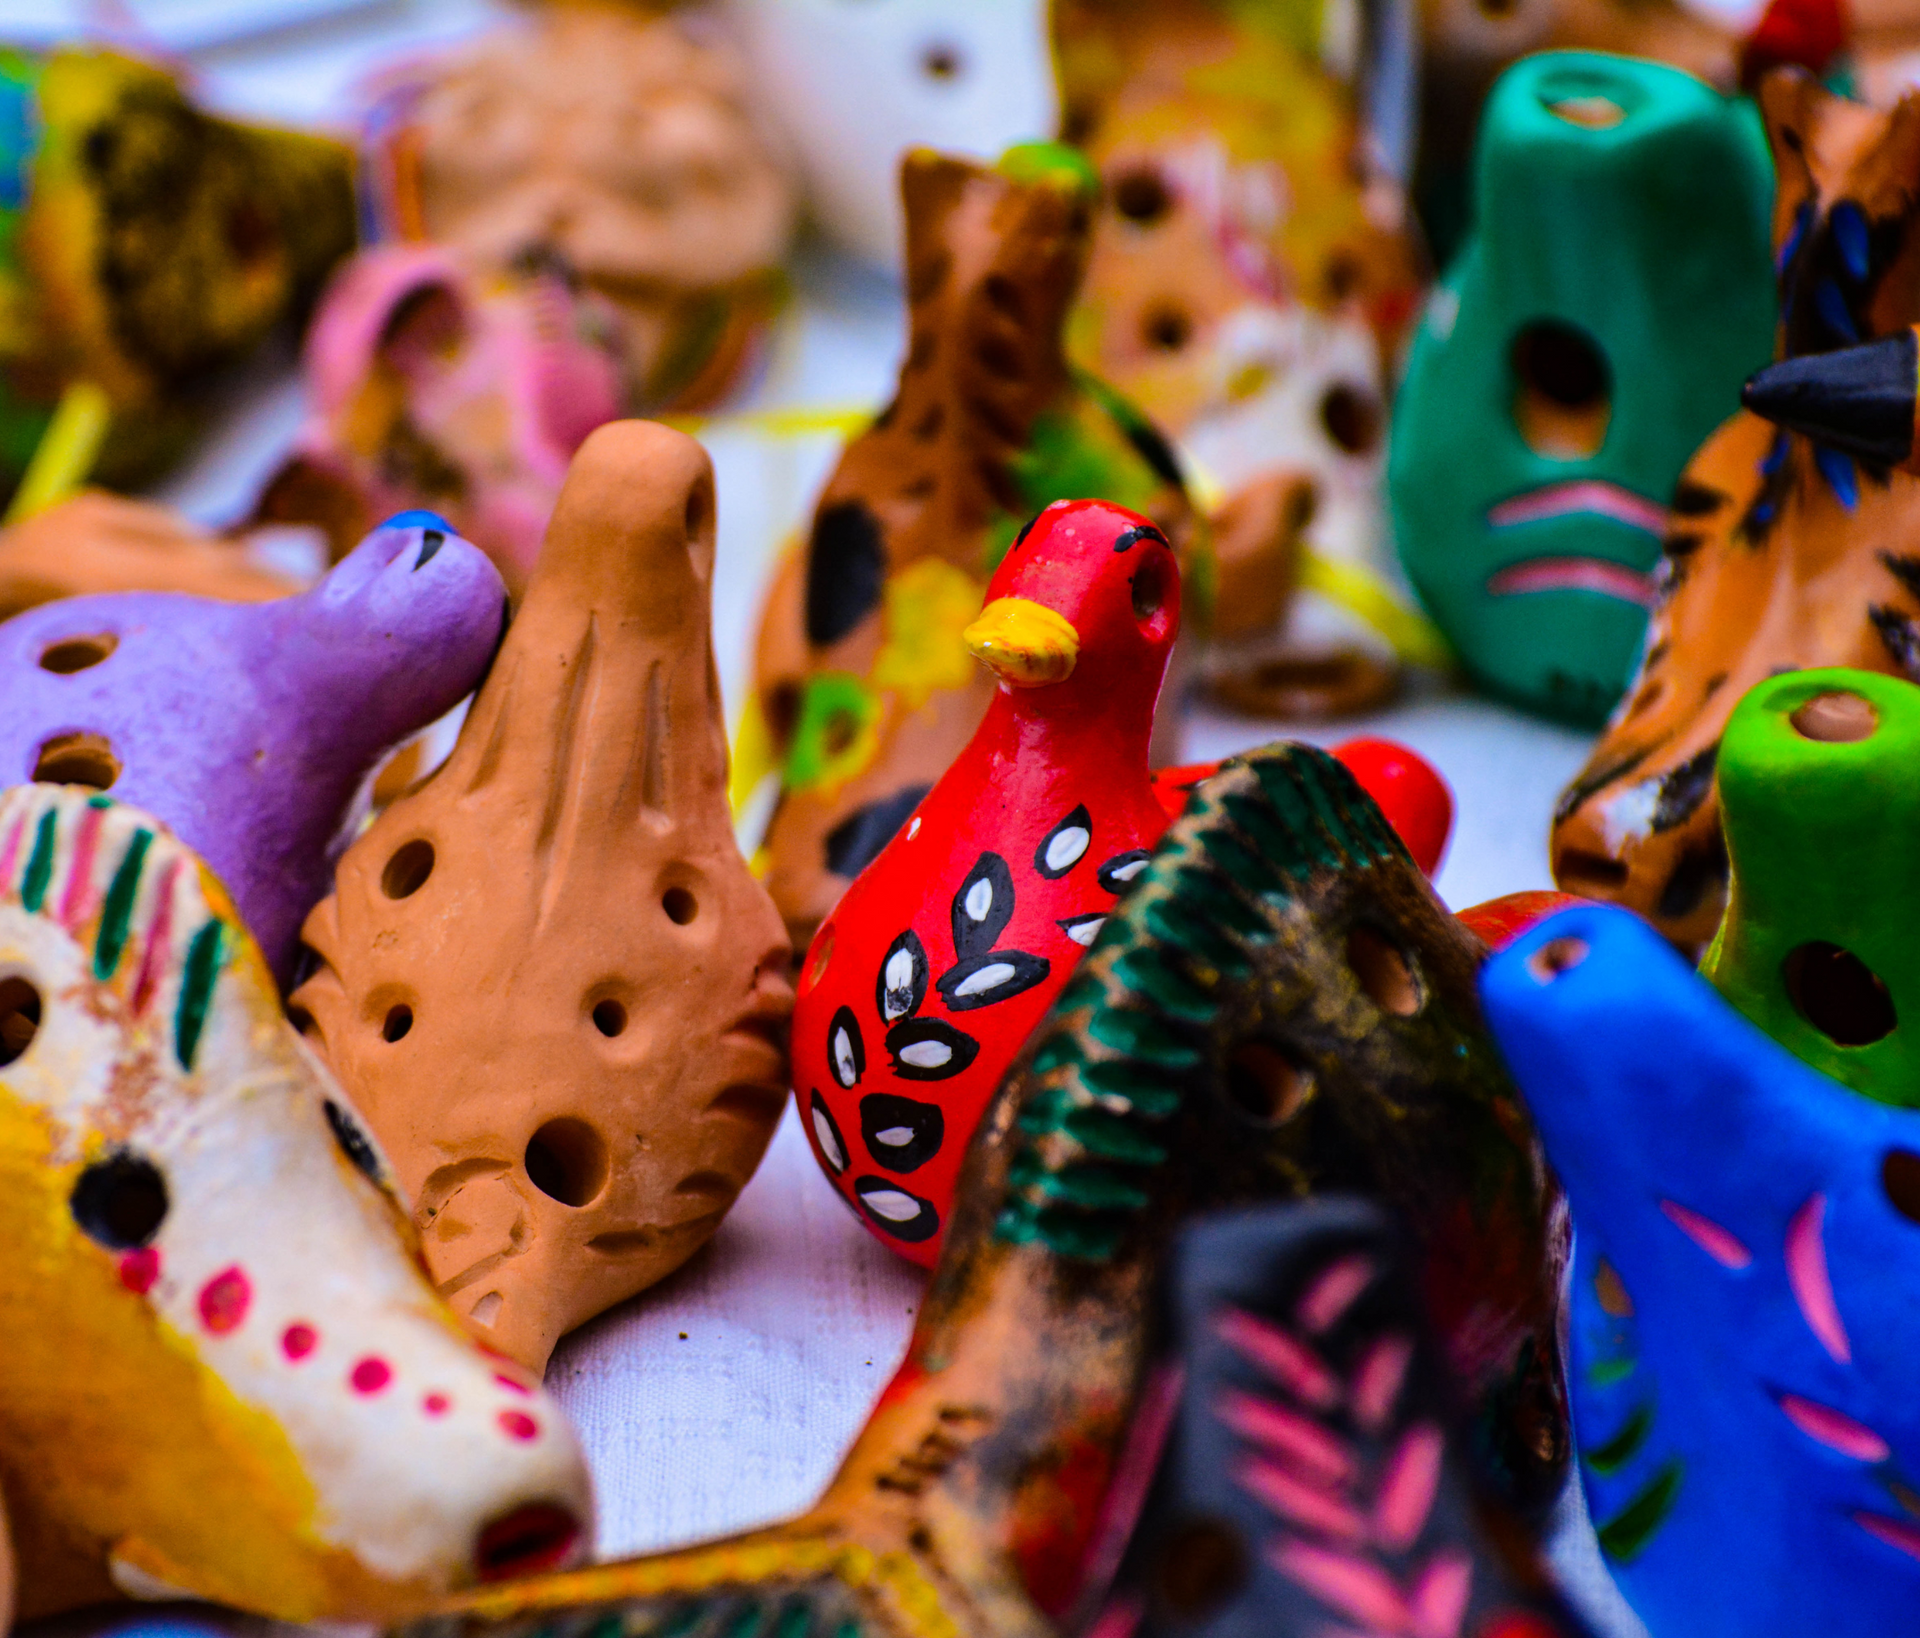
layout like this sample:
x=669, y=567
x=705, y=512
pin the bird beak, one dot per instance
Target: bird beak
x=1024, y=643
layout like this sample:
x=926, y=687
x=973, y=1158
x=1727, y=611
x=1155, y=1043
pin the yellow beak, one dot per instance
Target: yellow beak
x=1023, y=642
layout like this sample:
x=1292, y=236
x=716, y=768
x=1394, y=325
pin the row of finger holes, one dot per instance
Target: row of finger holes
x=412, y=863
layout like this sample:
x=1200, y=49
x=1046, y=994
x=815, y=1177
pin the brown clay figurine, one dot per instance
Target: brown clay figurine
x=867, y=688
x=545, y=976
x=618, y=148
x=1279, y=1007
x=1784, y=552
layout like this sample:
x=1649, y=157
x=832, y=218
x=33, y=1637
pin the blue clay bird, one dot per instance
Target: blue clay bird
x=1746, y=1292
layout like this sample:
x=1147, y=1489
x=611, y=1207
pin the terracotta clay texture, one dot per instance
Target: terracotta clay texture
x=1280, y=1006
x=149, y=245
x=866, y=686
x=937, y=963
x=251, y=728
x=1253, y=273
x=546, y=976
x=432, y=385
x=98, y=542
x=223, y=1374
x=1782, y=554
x=620, y=149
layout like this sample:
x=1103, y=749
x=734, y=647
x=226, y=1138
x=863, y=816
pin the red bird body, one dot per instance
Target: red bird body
x=923, y=984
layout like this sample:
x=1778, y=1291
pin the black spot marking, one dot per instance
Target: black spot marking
x=1901, y=636
x=979, y=981
x=1026, y=529
x=1697, y=873
x=901, y=1134
x=1065, y=845
x=1575, y=796
x=846, y=562
x=901, y=984
x=826, y=1134
x=120, y=1202
x=846, y=1052
x=1697, y=500
x=856, y=841
x=1122, y=870
x=1683, y=789
x=1127, y=539
x=881, y=1200
x=1683, y=543
x=982, y=906
x=354, y=1143
x=925, y=1049
x=1153, y=449
x=1904, y=569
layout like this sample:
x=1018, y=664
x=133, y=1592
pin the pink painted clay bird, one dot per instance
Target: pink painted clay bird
x=923, y=984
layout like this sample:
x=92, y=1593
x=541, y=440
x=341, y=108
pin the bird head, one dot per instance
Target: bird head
x=1088, y=591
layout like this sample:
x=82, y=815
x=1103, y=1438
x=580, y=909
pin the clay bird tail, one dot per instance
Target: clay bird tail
x=1860, y=400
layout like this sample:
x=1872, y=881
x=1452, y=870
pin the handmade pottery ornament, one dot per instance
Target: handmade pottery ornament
x=864, y=682
x=1785, y=552
x=1312, y=1465
x=1253, y=270
x=857, y=88
x=224, y=1375
x=939, y=960
x=615, y=146
x=145, y=245
x=434, y=386
x=1550, y=402
x=1280, y=1005
x=251, y=728
x=1815, y=776
x=546, y=976
x=1742, y=1331
x=96, y=542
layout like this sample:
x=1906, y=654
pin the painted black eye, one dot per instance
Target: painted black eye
x=120, y=1202
x=354, y=1143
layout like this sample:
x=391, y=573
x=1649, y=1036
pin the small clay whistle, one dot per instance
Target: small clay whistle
x=223, y=1375
x=1743, y=1325
x=545, y=975
x=250, y=728
x=863, y=677
x=1279, y=1006
x=939, y=960
x=1787, y=550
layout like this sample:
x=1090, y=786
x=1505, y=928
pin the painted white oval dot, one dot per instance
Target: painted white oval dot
x=1085, y=932
x=979, y=900
x=899, y=983
x=828, y=1147
x=1066, y=847
x=989, y=977
x=843, y=1058
x=1126, y=872
x=926, y=1055
x=894, y=1137
x=891, y=1204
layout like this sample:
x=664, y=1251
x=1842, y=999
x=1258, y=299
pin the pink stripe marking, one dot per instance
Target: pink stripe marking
x=1133, y=1475
x=10, y=854
x=1333, y=1294
x=154, y=957
x=1588, y=574
x=77, y=899
x=1807, y=1274
x=1589, y=495
x=1350, y=1585
x=1708, y=1235
x=1295, y=1367
x=1407, y=1488
x=1377, y=1383
x=1835, y=1431
x=1441, y=1595
x=1298, y=1502
x=1894, y=1532
x=1288, y=1434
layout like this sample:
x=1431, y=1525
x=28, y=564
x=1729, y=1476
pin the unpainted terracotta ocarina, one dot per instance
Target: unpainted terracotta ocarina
x=251, y=728
x=546, y=975
x=1783, y=553
x=989, y=425
x=222, y=1373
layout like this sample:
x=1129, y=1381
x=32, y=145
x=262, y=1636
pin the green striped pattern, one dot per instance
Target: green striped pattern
x=204, y=956
x=33, y=885
x=1126, y=1041
x=116, y=915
